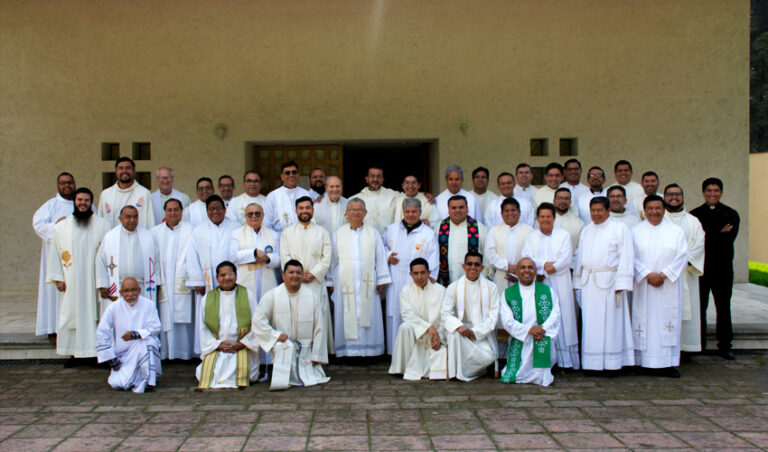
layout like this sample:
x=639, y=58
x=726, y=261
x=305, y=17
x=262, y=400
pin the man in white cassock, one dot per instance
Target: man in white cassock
x=504, y=245
x=469, y=315
x=566, y=219
x=330, y=211
x=226, y=188
x=572, y=170
x=690, y=328
x=405, y=241
x=128, y=250
x=661, y=255
x=454, y=178
x=622, y=170
x=227, y=311
x=595, y=179
x=650, y=183
x=126, y=339
x=125, y=192
x=603, y=273
x=411, y=188
x=44, y=221
x=164, y=177
x=289, y=323
x=530, y=312
x=71, y=258
x=618, y=198
x=317, y=184
x=550, y=249
x=480, y=179
x=456, y=235
x=420, y=349
x=310, y=244
x=196, y=213
x=379, y=200
x=208, y=248
x=252, y=194
x=281, y=202
x=553, y=177
x=506, y=184
x=524, y=191
x=177, y=314
x=357, y=277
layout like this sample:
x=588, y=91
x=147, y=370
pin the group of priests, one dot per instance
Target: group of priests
x=575, y=276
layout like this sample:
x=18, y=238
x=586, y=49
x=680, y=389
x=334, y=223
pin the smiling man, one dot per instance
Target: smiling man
x=281, y=202
x=379, y=200
x=196, y=212
x=164, y=177
x=411, y=187
x=126, y=191
x=252, y=194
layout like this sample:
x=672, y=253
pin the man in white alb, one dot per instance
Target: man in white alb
x=44, y=221
x=550, y=249
x=468, y=315
x=289, y=323
x=357, y=277
x=252, y=185
x=405, y=241
x=661, y=255
x=506, y=184
x=618, y=198
x=411, y=188
x=524, y=191
x=456, y=235
x=71, y=258
x=595, y=179
x=329, y=211
x=420, y=349
x=622, y=170
x=226, y=189
x=504, y=245
x=572, y=170
x=650, y=183
x=480, y=178
x=603, y=273
x=196, y=213
x=379, y=200
x=454, y=178
x=165, y=191
x=553, y=177
x=126, y=339
x=310, y=244
x=281, y=202
x=126, y=191
x=317, y=184
x=255, y=249
x=176, y=316
x=566, y=219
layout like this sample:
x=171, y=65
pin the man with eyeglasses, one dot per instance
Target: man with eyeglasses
x=196, y=213
x=252, y=184
x=595, y=179
x=566, y=219
x=379, y=200
x=226, y=188
x=572, y=170
x=281, y=202
x=617, y=196
x=411, y=187
x=690, y=329
x=208, y=248
x=164, y=177
x=553, y=177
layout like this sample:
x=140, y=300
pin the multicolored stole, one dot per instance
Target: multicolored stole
x=542, y=358
x=243, y=357
x=473, y=244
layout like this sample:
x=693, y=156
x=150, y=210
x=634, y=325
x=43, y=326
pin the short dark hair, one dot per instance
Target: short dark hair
x=288, y=164
x=165, y=205
x=204, y=179
x=292, y=263
x=569, y=161
x=212, y=199
x=504, y=173
x=419, y=261
x=481, y=169
x=472, y=253
x=564, y=189
x=649, y=173
x=225, y=176
x=546, y=206
x=64, y=174
x=125, y=159
x=711, y=181
x=129, y=206
x=554, y=165
x=673, y=185
x=622, y=162
x=616, y=187
x=374, y=166
x=522, y=165
x=226, y=264
x=458, y=198
x=510, y=201
x=651, y=198
x=85, y=190
x=596, y=168
x=303, y=199
x=602, y=200
x=253, y=171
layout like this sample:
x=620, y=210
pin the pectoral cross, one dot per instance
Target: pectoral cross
x=669, y=326
x=112, y=266
x=639, y=330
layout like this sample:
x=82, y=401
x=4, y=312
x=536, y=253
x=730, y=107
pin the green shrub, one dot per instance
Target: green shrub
x=758, y=273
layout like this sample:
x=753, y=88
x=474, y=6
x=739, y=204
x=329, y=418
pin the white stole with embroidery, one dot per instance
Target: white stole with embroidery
x=347, y=277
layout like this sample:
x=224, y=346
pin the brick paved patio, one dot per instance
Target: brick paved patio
x=717, y=405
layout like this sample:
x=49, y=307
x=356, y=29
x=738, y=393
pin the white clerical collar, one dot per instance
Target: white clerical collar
x=545, y=234
x=372, y=191
x=228, y=292
x=603, y=224
x=475, y=282
x=127, y=231
x=619, y=214
x=596, y=192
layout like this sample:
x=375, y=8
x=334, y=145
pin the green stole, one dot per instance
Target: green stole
x=542, y=357
x=243, y=314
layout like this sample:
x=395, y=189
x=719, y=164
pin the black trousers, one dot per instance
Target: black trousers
x=720, y=283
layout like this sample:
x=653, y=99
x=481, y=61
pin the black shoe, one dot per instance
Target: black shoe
x=611, y=373
x=686, y=357
x=669, y=372
x=727, y=354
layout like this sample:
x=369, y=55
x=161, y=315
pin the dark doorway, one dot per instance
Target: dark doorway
x=397, y=159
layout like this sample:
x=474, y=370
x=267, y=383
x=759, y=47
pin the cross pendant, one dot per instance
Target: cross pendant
x=112, y=266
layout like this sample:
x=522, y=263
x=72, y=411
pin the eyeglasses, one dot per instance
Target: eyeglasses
x=674, y=195
x=253, y=181
x=473, y=264
x=562, y=198
x=290, y=172
x=226, y=185
x=253, y=214
x=214, y=209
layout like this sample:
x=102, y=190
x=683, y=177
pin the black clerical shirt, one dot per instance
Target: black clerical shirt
x=718, y=246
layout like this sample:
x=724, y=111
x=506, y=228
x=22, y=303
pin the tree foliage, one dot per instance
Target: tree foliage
x=758, y=77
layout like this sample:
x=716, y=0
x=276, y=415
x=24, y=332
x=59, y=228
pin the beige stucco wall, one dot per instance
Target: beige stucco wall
x=664, y=84
x=758, y=212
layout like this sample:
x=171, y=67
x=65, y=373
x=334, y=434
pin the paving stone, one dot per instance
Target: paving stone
x=29, y=444
x=571, y=425
x=453, y=427
x=123, y=417
x=339, y=428
x=214, y=444
x=758, y=439
x=742, y=423
x=438, y=413
x=462, y=442
x=215, y=429
x=396, y=428
x=8, y=430
x=67, y=418
x=114, y=430
x=404, y=442
x=629, y=425
x=43, y=430
x=256, y=443
x=93, y=443
x=524, y=441
x=394, y=415
x=18, y=419
x=179, y=430
x=711, y=439
x=502, y=413
x=586, y=440
x=688, y=425
x=556, y=413
x=188, y=417
x=512, y=426
x=349, y=442
x=281, y=429
x=650, y=440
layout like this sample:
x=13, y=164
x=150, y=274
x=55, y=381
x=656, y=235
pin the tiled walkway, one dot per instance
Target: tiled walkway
x=716, y=405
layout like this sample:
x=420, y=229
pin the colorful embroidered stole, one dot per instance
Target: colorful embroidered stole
x=473, y=244
x=541, y=349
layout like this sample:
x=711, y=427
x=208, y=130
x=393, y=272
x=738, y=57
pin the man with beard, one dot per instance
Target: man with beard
x=317, y=184
x=226, y=189
x=126, y=191
x=126, y=339
x=617, y=196
x=566, y=219
x=281, y=202
x=164, y=177
x=690, y=329
x=53, y=211
x=329, y=211
x=196, y=213
x=572, y=170
x=252, y=195
x=379, y=200
x=71, y=258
